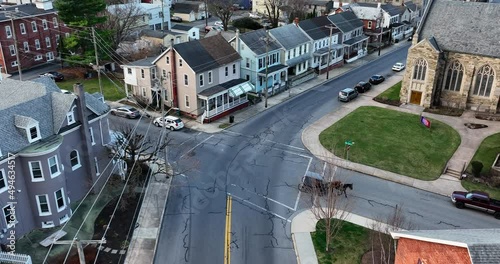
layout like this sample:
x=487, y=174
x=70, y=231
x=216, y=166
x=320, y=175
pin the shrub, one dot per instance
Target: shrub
x=246, y=22
x=477, y=166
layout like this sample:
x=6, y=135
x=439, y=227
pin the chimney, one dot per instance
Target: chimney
x=379, y=5
x=87, y=154
x=296, y=21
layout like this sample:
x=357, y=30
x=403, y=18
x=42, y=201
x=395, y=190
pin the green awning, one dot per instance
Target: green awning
x=240, y=89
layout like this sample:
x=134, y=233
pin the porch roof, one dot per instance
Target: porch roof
x=324, y=50
x=273, y=69
x=299, y=59
x=241, y=89
x=355, y=40
x=221, y=87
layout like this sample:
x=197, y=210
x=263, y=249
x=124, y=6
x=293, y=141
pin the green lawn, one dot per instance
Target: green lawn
x=111, y=92
x=470, y=186
x=392, y=93
x=487, y=152
x=393, y=141
x=349, y=245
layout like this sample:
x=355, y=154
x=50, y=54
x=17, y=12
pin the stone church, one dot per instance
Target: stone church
x=454, y=59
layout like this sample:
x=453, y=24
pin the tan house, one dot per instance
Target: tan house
x=158, y=38
x=464, y=246
x=202, y=78
x=454, y=59
x=141, y=80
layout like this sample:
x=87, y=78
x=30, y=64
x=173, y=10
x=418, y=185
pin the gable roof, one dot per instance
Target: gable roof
x=158, y=33
x=255, y=40
x=366, y=11
x=227, y=35
x=316, y=28
x=207, y=53
x=410, y=5
x=289, y=36
x=346, y=21
x=483, y=244
x=392, y=10
x=25, y=10
x=185, y=7
x=181, y=27
x=146, y=62
x=467, y=33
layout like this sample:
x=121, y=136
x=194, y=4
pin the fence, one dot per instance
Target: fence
x=14, y=258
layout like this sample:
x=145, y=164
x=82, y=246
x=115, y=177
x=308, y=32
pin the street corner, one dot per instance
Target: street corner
x=303, y=221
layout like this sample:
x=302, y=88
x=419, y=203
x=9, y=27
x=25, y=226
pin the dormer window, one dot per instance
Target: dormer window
x=34, y=135
x=71, y=116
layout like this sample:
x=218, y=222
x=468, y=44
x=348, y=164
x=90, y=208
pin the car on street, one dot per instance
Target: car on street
x=218, y=23
x=476, y=200
x=347, y=94
x=362, y=87
x=56, y=76
x=376, y=79
x=210, y=28
x=398, y=67
x=170, y=122
x=126, y=111
x=176, y=19
x=254, y=16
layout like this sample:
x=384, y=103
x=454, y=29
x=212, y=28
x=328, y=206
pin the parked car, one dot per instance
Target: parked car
x=170, y=122
x=362, y=87
x=210, y=28
x=218, y=23
x=476, y=200
x=254, y=16
x=376, y=79
x=176, y=19
x=398, y=67
x=347, y=94
x=56, y=76
x=126, y=111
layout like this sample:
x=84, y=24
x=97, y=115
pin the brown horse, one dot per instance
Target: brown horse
x=341, y=187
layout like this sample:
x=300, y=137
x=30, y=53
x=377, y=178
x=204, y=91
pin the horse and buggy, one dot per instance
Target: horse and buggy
x=314, y=183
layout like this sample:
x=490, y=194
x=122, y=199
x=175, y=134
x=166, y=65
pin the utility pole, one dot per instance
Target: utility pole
x=162, y=16
x=329, y=49
x=11, y=15
x=267, y=39
x=381, y=31
x=98, y=68
x=81, y=255
x=206, y=13
x=163, y=93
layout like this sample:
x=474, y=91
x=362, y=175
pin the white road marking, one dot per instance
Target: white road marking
x=197, y=145
x=182, y=174
x=308, y=165
x=260, y=207
x=263, y=196
x=324, y=169
x=297, y=202
x=285, y=145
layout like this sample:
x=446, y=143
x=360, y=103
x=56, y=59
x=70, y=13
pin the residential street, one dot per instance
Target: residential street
x=260, y=162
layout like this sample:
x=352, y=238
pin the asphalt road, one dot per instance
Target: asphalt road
x=260, y=162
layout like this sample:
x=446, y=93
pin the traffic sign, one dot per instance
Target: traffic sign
x=349, y=143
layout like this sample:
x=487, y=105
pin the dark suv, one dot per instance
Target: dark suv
x=362, y=87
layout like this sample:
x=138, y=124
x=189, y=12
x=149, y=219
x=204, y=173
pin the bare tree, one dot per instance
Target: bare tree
x=296, y=9
x=223, y=9
x=273, y=8
x=121, y=22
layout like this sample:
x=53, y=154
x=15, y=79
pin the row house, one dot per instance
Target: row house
x=202, y=78
x=141, y=80
x=392, y=14
x=355, y=42
x=145, y=15
x=190, y=10
x=37, y=31
x=327, y=52
x=52, y=149
x=252, y=48
x=193, y=33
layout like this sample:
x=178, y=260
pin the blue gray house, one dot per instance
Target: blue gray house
x=52, y=150
x=354, y=40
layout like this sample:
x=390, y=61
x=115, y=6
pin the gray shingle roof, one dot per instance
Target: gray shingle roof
x=316, y=27
x=455, y=27
x=181, y=27
x=392, y=10
x=289, y=36
x=483, y=244
x=146, y=62
x=346, y=21
x=25, y=10
x=158, y=33
x=37, y=101
x=185, y=8
x=207, y=53
x=255, y=41
x=411, y=6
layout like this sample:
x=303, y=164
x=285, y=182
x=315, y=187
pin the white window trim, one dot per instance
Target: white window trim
x=33, y=179
x=57, y=166
x=201, y=80
x=38, y=46
x=75, y=167
x=34, y=29
x=45, y=25
x=4, y=176
x=40, y=213
x=92, y=139
x=210, y=77
x=48, y=42
x=31, y=140
x=71, y=114
x=64, y=200
x=9, y=30
x=55, y=22
x=22, y=28
x=96, y=167
x=4, y=217
x=63, y=219
x=187, y=101
x=49, y=225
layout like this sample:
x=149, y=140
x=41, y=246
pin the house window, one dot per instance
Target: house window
x=14, y=63
x=369, y=26
x=47, y=42
x=247, y=62
x=37, y=44
x=43, y=205
x=201, y=80
x=419, y=69
x=60, y=201
x=187, y=101
x=96, y=164
x=44, y=24
x=153, y=73
x=49, y=56
x=36, y=171
x=180, y=62
x=454, y=75
x=26, y=46
x=53, y=166
x=3, y=181
x=142, y=73
x=484, y=81
x=10, y=218
x=38, y=57
x=227, y=71
x=22, y=27
x=144, y=92
x=8, y=31
x=261, y=63
x=129, y=70
x=71, y=116
x=194, y=34
x=186, y=81
x=164, y=73
x=209, y=77
x=55, y=22
x=33, y=133
x=74, y=159
x=234, y=68
x=48, y=224
x=92, y=139
x=12, y=50
x=167, y=59
x=33, y=26
x=58, y=38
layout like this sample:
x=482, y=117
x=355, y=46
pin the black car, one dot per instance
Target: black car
x=376, y=79
x=56, y=76
x=362, y=87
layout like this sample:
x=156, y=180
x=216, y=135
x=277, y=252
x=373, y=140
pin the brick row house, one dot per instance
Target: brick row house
x=38, y=32
x=52, y=150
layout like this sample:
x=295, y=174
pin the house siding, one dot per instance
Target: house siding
x=410, y=251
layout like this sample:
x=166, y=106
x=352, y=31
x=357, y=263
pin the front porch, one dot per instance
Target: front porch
x=321, y=55
x=223, y=99
x=355, y=48
x=277, y=79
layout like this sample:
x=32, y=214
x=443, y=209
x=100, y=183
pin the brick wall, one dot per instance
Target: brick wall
x=409, y=251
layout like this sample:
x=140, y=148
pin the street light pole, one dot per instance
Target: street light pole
x=267, y=39
x=97, y=61
x=329, y=49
